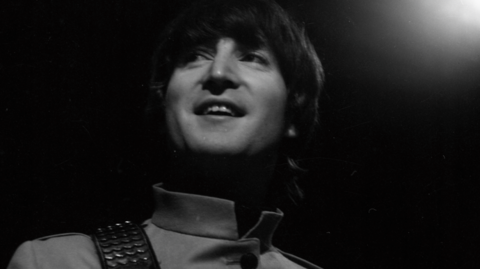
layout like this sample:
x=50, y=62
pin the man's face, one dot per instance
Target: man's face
x=224, y=99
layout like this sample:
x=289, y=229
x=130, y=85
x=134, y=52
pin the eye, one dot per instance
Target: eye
x=195, y=55
x=254, y=57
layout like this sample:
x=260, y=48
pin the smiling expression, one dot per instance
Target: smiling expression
x=225, y=99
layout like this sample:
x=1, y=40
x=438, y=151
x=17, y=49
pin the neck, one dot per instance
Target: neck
x=242, y=179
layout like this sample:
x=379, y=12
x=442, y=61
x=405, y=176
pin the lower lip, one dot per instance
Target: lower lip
x=218, y=117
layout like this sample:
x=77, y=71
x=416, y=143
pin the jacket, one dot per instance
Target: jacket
x=186, y=231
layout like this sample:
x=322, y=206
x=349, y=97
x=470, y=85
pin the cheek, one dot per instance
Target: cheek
x=176, y=96
x=276, y=98
x=172, y=93
x=273, y=103
x=172, y=102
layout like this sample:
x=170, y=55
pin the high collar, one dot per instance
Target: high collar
x=208, y=217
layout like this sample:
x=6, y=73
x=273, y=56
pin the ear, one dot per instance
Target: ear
x=291, y=131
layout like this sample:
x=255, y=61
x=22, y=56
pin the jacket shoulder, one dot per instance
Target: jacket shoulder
x=72, y=250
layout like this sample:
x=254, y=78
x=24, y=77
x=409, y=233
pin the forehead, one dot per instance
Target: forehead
x=237, y=45
x=244, y=36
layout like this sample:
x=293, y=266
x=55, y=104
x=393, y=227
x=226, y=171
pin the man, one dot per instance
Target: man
x=234, y=91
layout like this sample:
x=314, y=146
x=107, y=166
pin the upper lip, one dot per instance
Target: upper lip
x=232, y=107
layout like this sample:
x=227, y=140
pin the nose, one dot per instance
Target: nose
x=223, y=72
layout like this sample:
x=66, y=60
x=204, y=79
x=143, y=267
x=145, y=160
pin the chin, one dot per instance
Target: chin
x=219, y=149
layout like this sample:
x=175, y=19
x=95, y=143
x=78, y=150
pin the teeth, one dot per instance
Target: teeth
x=217, y=108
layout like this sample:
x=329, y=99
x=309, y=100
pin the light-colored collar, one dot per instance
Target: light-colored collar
x=208, y=217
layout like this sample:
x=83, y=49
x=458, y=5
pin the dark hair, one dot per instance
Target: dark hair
x=254, y=23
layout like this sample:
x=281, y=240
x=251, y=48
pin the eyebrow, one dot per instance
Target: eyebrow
x=210, y=45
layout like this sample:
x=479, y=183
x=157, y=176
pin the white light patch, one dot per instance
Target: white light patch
x=464, y=11
x=454, y=25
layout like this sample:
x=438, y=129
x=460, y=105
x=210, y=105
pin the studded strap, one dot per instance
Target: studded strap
x=124, y=246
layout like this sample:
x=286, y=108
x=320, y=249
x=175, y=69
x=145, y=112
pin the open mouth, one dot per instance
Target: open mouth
x=219, y=109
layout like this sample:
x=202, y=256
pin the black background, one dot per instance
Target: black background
x=393, y=172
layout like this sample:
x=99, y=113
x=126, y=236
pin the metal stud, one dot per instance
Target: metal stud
x=109, y=257
x=130, y=252
x=138, y=244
